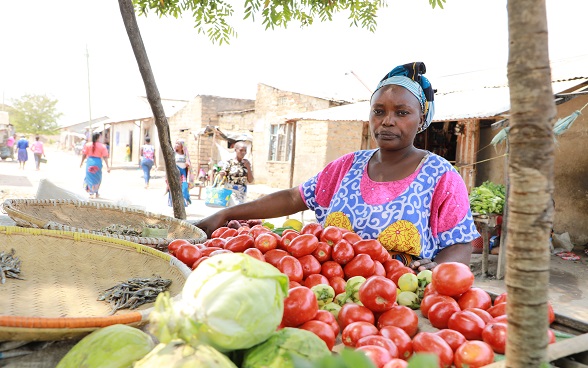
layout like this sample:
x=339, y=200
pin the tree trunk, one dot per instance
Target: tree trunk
x=173, y=175
x=530, y=170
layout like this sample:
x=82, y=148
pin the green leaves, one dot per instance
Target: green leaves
x=434, y=3
x=35, y=114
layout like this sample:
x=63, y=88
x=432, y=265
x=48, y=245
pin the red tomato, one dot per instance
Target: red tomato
x=371, y=247
x=468, y=323
x=299, y=306
x=428, y=342
x=293, y=284
x=243, y=230
x=400, y=338
x=239, y=243
x=257, y=230
x=392, y=264
x=273, y=256
x=229, y=233
x=453, y=338
x=331, y=235
x=385, y=256
x=486, y=317
x=360, y=265
x=303, y=245
x=175, y=244
x=322, y=252
x=379, y=269
x=290, y=231
x=494, y=334
x=218, y=232
x=429, y=300
x=473, y=354
x=351, y=312
x=342, y=252
x=338, y=284
x=497, y=310
x=188, y=253
x=265, y=242
x=322, y=330
x=255, y=253
x=377, y=354
x=287, y=239
x=377, y=293
x=291, y=267
x=550, y=313
x=356, y=330
x=328, y=318
x=475, y=298
x=396, y=363
x=500, y=298
x=197, y=263
x=452, y=278
x=429, y=289
x=439, y=313
x=216, y=242
x=312, y=228
x=502, y=319
x=208, y=250
x=551, y=336
x=351, y=237
x=379, y=340
x=396, y=273
x=332, y=269
x=310, y=265
x=219, y=251
x=316, y=279
x=400, y=316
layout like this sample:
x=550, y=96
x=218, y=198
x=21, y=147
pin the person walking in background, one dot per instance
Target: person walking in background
x=183, y=163
x=11, y=143
x=95, y=152
x=238, y=173
x=147, y=160
x=23, y=155
x=38, y=151
x=128, y=153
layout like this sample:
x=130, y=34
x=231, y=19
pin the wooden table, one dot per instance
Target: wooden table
x=486, y=223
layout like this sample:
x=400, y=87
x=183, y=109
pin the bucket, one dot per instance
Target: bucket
x=217, y=197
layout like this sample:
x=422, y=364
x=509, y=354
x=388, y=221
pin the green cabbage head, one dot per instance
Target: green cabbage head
x=231, y=301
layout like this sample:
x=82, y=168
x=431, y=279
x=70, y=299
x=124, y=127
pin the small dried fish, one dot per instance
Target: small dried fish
x=134, y=292
x=118, y=229
x=9, y=266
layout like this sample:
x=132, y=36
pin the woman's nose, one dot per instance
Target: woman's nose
x=388, y=120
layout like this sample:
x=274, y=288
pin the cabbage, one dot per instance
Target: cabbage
x=231, y=301
x=176, y=354
x=278, y=350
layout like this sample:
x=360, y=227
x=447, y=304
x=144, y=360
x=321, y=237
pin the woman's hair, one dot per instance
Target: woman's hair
x=95, y=137
x=147, y=139
x=37, y=138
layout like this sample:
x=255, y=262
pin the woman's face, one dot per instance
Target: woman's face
x=395, y=117
x=178, y=147
x=241, y=151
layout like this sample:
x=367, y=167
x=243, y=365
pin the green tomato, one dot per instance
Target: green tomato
x=425, y=277
x=353, y=284
x=333, y=308
x=324, y=294
x=341, y=299
x=408, y=282
x=408, y=299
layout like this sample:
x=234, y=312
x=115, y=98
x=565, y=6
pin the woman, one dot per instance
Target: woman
x=182, y=159
x=38, y=151
x=95, y=152
x=238, y=173
x=411, y=200
x=23, y=155
x=147, y=160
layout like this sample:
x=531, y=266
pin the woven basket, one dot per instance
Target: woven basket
x=64, y=273
x=90, y=217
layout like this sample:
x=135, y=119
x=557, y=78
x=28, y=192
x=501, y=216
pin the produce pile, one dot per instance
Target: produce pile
x=487, y=198
x=258, y=299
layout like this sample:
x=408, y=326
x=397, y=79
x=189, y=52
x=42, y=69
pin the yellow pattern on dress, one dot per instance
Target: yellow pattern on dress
x=402, y=236
x=338, y=219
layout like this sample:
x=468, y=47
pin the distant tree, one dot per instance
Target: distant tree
x=35, y=114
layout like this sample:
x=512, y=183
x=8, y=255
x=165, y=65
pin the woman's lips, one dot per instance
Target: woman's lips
x=386, y=135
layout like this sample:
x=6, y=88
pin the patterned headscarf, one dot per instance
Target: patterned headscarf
x=410, y=76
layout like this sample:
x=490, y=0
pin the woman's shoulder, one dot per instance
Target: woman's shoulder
x=433, y=159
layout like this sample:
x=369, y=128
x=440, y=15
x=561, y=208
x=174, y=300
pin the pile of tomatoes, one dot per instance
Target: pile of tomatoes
x=469, y=327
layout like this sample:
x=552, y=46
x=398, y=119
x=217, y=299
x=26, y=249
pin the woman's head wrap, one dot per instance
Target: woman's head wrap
x=410, y=76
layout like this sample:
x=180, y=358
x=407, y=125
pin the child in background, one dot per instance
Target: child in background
x=128, y=152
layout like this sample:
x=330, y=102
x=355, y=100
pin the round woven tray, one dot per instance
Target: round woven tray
x=64, y=274
x=91, y=217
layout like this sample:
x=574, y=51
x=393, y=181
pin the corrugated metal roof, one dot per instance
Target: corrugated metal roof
x=138, y=108
x=471, y=104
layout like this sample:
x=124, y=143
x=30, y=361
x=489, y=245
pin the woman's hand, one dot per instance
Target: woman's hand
x=423, y=264
x=211, y=223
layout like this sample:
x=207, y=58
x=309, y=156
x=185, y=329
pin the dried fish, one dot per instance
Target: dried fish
x=134, y=292
x=9, y=266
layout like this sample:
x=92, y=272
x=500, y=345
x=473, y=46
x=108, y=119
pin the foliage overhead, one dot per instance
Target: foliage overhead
x=211, y=15
x=35, y=114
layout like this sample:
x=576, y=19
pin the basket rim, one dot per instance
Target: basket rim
x=9, y=207
x=68, y=323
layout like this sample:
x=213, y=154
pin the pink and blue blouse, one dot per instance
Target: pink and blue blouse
x=417, y=216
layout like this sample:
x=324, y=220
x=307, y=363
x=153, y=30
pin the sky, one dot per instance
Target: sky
x=43, y=51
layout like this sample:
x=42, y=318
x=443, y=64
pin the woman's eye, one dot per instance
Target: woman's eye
x=402, y=112
x=377, y=111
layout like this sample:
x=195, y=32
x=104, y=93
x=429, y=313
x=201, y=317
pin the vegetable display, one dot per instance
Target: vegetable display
x=487, y=198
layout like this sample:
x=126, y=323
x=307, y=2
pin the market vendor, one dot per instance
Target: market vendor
x=413, y=201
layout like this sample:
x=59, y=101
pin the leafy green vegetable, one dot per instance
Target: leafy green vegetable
x=487, y=198
x=285, y=345
x=176, y=354
x=231, y=301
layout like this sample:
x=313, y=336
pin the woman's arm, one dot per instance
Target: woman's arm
x=83, y=158
x=278, y=204
x=105, y=159
x=249, y=171
x=461, y=253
